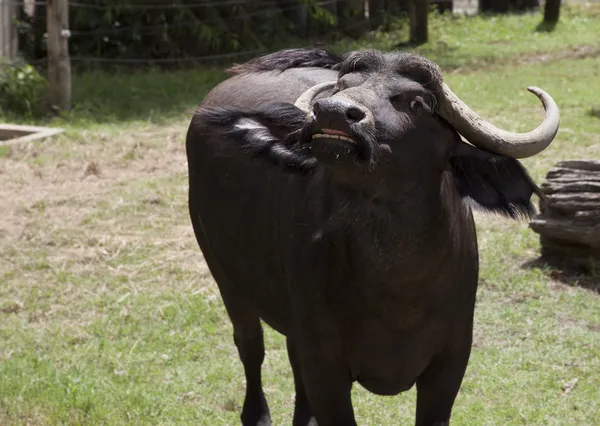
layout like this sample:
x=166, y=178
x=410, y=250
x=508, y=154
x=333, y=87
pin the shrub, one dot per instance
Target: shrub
x=22, y=90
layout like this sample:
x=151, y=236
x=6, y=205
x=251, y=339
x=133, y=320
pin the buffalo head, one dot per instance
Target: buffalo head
x=388, y=124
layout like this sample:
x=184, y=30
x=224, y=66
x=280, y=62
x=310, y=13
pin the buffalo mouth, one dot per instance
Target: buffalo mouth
x=337, y=146
x=334, y=147
x=331, y=135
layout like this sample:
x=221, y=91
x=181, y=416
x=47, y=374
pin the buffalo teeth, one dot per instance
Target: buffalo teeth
x=328, y=136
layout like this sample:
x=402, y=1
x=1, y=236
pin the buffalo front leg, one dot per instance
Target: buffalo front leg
x=328, y=385
x=438, y=386
x=248, y=338
x=303, y=415
x=247, y=329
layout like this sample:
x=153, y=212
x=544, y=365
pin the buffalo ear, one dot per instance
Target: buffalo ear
x=270, y=132
x=493, y=182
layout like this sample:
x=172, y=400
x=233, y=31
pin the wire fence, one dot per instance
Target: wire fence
x=204, y=59
x=148, y=6
x=120, y=33
x=246, y=16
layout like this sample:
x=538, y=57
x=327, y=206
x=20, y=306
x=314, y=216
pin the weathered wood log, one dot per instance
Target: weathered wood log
x=574, y=197
x=571, y=174
x=572, y=206
x=585, y=234
x=555, y=187
x=593, y=165
x=569, y=219
x=574, y=178
x=589, y=216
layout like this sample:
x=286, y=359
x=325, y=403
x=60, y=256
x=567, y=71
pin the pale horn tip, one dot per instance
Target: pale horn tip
x=547, y=101
x=535, y=90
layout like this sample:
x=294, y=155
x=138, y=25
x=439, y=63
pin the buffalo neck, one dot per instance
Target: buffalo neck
x=398, y=232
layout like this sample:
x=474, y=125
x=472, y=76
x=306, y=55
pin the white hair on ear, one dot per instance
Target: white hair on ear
x=248, y=124
x=255, y=129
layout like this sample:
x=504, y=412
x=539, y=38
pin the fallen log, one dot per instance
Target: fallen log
x=569, y=218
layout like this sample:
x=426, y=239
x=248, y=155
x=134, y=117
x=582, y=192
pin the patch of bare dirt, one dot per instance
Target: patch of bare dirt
x=81, y=202
x=88, y=215
x=578, y=52
x=567, y=321
x=57, y=182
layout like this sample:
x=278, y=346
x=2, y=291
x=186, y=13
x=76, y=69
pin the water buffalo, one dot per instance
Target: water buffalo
x=331, y=197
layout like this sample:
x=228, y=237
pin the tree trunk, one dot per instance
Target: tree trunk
x=524, y=5
x=377, y=9
x=504, y=6
x=551, y=11
x=332, y=7
x=569, y=221
x=297, y=14
x=494, y=6
x=418, y=11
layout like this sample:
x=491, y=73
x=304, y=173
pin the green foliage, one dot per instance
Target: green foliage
x=125, y=30
x=22, y=90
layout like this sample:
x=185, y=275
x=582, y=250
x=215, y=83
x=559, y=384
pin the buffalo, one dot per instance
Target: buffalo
x=332, y=197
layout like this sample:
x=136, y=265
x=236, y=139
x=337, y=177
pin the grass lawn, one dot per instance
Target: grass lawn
x=108, y=314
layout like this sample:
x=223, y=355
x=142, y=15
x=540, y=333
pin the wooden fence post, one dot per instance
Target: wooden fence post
x=418, y=11
x=59, y=63
x=8, y=30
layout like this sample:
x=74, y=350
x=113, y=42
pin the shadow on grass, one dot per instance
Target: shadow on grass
x=574, y=277
x=407, y=45
x=155, y=96
x=545, y=27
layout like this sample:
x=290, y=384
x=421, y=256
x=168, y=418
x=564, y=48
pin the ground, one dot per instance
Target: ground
x=109, y=315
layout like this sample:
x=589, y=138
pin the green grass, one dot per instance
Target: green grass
x=458, y=41
x=108, y=315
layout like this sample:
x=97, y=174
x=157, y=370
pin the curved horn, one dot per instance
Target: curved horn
x=485, y=135
x=305, y=99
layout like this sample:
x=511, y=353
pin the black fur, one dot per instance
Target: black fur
x=278, y=140
x=289, y=58
x=410, y=65
x=372, y=278
x=494, y=182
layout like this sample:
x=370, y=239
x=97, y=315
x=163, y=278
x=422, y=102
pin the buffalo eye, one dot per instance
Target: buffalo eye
x=416, y=103
x=419, y=105
x=340, y=85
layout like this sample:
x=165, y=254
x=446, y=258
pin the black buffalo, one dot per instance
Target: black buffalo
x=331, y=197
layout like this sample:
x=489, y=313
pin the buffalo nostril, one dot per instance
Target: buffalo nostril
x=355, y=114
